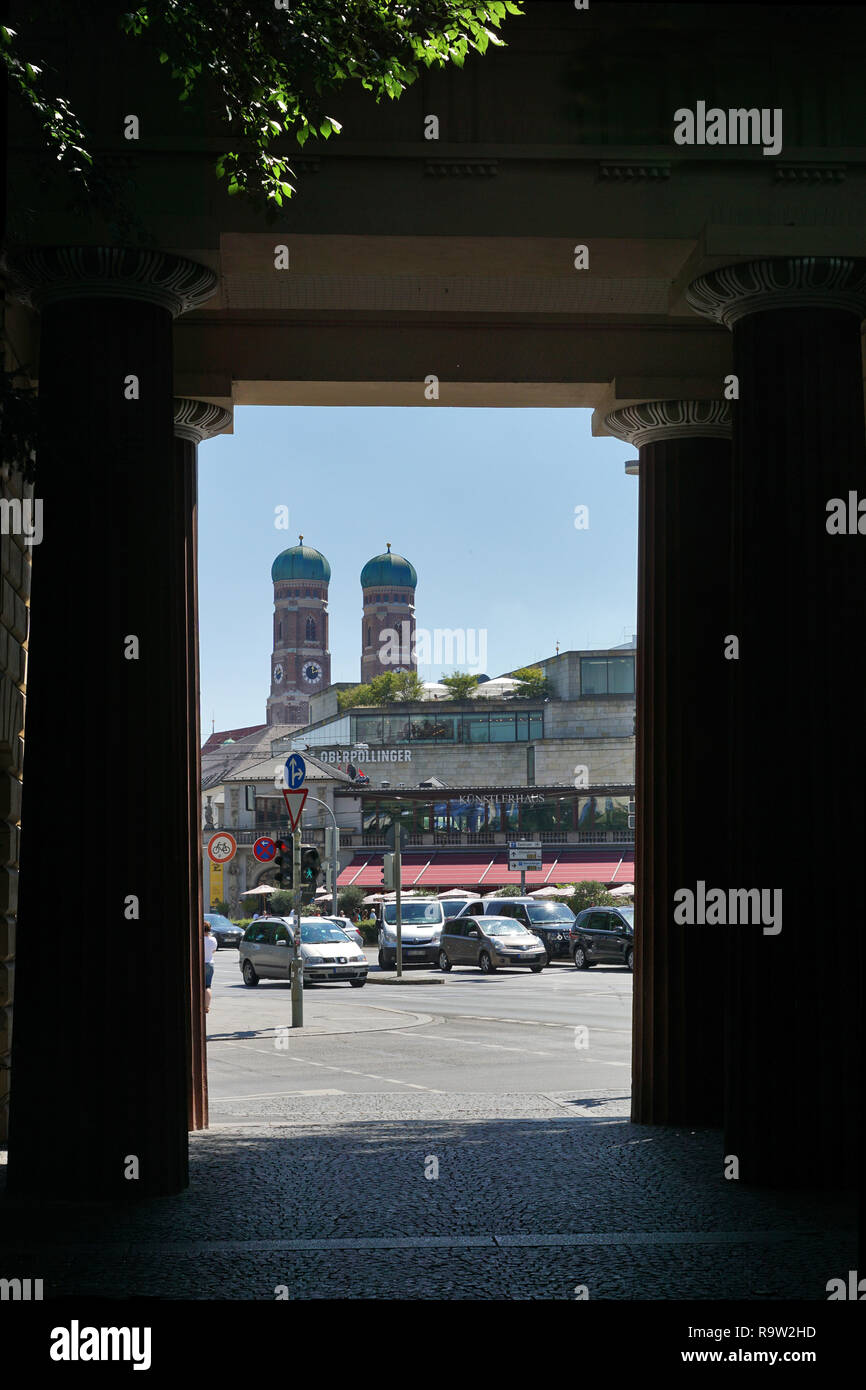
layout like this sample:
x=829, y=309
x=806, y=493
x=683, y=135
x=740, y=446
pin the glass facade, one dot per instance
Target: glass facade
x=531, y=814
x=435, y=726
x=607, y=675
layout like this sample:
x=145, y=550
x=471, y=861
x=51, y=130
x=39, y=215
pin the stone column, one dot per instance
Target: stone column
x=100, y=1057
x=194, y=421
x=681, y=810
x=798, y=738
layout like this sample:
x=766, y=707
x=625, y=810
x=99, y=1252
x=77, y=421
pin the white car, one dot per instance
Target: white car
x=267, y=948
x=348, y=927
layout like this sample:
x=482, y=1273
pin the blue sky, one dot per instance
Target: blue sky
x=481, y=501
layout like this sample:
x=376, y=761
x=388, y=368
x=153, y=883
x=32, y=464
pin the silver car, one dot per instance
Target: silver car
x=489, y=942
x=266, y=952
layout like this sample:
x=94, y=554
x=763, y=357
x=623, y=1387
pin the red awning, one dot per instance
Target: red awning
x=489, y=870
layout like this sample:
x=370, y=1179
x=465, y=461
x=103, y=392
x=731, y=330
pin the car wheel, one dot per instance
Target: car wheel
x=486, y=964
x=250, y=976
x=444, y=962
x=580, y=960
x=537, y=969
x=382, y=965
x=629, y=958
x=357, y=984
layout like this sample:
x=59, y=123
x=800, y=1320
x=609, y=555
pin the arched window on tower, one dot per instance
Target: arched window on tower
x=369, y=637
x=311, y=629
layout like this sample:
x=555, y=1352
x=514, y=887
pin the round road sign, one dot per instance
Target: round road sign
x=222, y=847
x=264, y=849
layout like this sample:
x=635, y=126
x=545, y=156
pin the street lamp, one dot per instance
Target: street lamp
x=334, y=847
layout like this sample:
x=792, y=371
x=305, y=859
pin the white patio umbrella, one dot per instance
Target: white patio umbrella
x=373, y=898
x=552, y=892
x=625, y=890
x=263, y=888
x=456, y=893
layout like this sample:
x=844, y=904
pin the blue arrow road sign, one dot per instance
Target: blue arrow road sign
x=296, y=772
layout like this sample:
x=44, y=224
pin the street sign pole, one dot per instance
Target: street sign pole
x=523, y=883
x=398, y=885
x=297, y=959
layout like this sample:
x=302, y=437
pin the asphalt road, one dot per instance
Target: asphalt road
x=560, y=1031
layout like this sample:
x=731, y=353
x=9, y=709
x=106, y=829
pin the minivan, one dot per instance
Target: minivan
x=422, y=923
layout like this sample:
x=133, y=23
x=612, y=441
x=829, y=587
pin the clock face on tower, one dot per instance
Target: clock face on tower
x=312, y=672
x=278, y=674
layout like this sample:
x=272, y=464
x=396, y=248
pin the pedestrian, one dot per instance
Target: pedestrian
x=210, y=945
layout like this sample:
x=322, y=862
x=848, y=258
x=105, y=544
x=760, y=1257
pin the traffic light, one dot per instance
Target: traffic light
x=283, y=862
x=388, y=871
x=311, y=868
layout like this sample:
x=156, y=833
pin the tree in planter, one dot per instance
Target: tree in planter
x=533, y=683
x=222, y=907
x=511, y=890
x=460, y=685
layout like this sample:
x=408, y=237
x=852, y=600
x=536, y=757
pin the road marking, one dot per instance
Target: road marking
x=327, y=1066
x=473, y=1042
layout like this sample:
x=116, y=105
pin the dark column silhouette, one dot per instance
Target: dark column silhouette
x=798, y=739
x=194, y=421
x=101, y=1049
x=681, y=806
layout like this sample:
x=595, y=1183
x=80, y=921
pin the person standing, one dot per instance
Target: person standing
x=210, y=945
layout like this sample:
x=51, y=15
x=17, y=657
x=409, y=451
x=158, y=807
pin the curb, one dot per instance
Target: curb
x=406, y=980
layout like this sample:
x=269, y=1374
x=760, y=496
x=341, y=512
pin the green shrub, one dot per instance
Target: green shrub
x=589, y=894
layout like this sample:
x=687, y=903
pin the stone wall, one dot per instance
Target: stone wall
x=14, y=615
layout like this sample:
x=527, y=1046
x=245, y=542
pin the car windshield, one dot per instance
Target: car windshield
x=217, y=920
x=317, y=933
x=503, y=926
x=546, y=913
x=415, y=914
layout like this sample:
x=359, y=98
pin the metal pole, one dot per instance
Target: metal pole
x=334, y=852
x=398, y=881
x=297, y=959
x=523, y=883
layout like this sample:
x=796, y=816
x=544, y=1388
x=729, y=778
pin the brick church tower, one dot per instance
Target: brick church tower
x=388, y=583
x=301, y=662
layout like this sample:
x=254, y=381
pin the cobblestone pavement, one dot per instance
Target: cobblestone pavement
x=467, y=1156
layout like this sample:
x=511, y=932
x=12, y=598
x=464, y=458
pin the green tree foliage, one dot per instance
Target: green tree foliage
x=350, y=900
x=511, y=890
x=533, y=684
x=589, y=894
x=460, y=685
x=280, y=902
x=272, y=67
x=392, y=687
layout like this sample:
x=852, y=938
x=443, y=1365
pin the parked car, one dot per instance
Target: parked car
x=453, y=907
x=227, y=933
x=489, y=942
x=347, y=926
x=422, y=923
x=603, y=934
x=328, y=954
x=548, y=919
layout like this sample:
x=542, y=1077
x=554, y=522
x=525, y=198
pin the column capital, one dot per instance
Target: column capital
x=733, y=292
x=654, y=420
x=47, y=274
x=198, y=420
